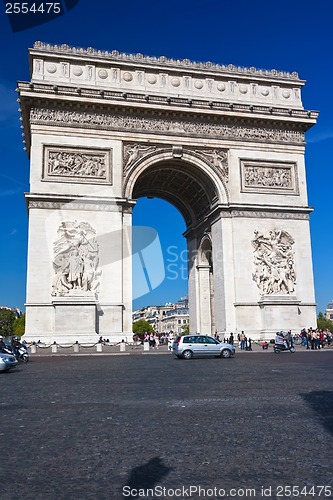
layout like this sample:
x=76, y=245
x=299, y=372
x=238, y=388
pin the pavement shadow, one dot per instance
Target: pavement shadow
x=145, y=476
x=322, y=403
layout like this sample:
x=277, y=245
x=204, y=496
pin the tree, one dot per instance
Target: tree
x=141, y=326
x=324, y=323
x=185, y=329
x=7, y=318
x=19, y=326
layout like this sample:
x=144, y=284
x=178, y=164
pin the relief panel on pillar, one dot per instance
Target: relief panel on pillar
x=67, y=164
x=76, y=261
x=274, y=263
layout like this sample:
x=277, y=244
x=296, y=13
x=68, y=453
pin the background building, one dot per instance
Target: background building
x=329, y=311
x=167, y=317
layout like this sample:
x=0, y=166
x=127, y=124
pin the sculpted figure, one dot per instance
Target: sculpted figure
x=274, y=262
x=134, y=151
x=76, y=259
x=218, y=159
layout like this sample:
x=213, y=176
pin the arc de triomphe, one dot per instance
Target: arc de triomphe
x=223, y=144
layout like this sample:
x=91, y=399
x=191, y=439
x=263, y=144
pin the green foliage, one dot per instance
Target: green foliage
x=141, y=326
x=185, y=329
x=7, y=319
x=19, y=326
x=323, y=323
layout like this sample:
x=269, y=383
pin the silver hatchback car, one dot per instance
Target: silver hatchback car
x=7, y=361
x=189, y=346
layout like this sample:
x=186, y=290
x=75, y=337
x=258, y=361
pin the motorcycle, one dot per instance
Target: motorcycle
x=20, y=353
x=281, y=344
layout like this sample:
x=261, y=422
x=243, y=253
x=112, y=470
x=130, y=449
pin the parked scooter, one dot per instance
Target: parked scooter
x=282, y=343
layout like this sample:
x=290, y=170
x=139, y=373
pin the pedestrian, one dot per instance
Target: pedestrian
x=242, y=340
x=170, y=340
x=2, y=344
x=231, y=339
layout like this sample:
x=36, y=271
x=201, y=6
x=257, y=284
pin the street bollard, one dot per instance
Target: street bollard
x=146, y=346
x=33, y=349
x=122, y=346
x=54, y=348
x=77, y=347
x=99, y=347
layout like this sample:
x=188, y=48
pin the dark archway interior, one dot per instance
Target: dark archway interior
x=180, y=183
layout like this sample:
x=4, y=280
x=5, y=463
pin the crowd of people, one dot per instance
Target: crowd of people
x=316, y=339
x=155, y=339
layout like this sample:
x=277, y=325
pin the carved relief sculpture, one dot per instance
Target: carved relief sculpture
x=219, y=160
x=112, y=121
x=269, y=177
x=274, y=263
x=76, y=164
x=132, y=152
x=76, y=259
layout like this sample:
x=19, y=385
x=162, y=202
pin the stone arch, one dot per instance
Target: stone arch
x=205, y=253
x=184, y=179
x=228, y=152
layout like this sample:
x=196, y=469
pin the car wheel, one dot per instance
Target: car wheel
x=187, y=354
x=225, y=353
x=292, y=349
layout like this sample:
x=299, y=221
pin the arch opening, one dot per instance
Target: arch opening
x=186, y=187
x=192, y=191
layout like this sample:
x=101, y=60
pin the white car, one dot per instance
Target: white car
x=189, y=346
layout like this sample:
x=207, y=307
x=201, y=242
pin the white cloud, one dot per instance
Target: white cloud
x=320, y=137
x=10, y=192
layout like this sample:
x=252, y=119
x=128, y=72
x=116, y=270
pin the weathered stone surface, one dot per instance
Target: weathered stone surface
x=224, y=144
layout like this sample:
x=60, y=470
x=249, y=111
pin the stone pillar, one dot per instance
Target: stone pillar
x=204, y=298
x=127, y=272
x=192, y=284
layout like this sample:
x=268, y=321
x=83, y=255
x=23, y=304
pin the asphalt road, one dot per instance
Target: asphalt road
x=101, y=427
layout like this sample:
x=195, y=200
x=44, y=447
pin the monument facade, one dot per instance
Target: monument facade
x=224, y=144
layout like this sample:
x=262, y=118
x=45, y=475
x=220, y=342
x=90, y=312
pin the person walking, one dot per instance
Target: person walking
x=242, y=340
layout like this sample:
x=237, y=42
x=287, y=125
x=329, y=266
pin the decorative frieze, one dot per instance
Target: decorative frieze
x=169, y=126
x=274, y=262
x=75, y=205
x=76, y=260
x=257, y=214
x=269, y=177
x=65, y=164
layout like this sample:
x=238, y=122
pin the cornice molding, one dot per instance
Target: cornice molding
x=85, y=203
x=140, y=59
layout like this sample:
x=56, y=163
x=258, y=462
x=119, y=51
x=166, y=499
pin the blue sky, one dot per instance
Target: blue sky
x=289, y=35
